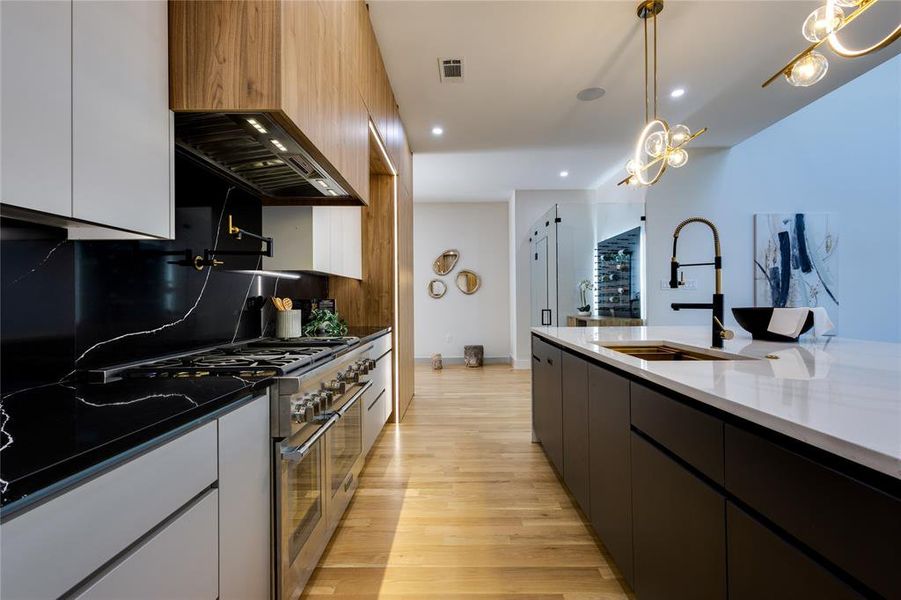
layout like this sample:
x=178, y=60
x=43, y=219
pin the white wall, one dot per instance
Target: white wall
x=479, y=231
x=842, y=155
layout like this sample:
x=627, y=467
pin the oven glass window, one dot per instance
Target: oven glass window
x=346, y=444
x=303, y=501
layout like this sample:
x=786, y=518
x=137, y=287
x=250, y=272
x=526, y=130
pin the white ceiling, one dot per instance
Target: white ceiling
x=515, y=123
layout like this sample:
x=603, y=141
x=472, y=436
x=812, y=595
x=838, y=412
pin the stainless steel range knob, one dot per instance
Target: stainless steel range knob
x=360, y=367
x=327, y=396
x=349, y=376
x=316, y=402
x=370, y=364
x=301, y=412
x=334, y=385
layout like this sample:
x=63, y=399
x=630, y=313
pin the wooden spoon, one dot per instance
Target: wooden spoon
x=278, y=303
x=287, y=303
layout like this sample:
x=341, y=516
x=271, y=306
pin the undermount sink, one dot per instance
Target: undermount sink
x=668, y=352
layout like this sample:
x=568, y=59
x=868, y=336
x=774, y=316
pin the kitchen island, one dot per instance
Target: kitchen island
x=774, y=471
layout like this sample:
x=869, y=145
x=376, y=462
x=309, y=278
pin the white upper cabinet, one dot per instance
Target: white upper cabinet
x=325, y=239
x=35, y=95
x=86, y=126
x=122, y=127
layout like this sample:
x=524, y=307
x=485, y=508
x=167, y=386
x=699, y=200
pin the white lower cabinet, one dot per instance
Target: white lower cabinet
x=245, y=502
x=177, y=561
x=189, y=519
x=377, y=404
x=53, y=547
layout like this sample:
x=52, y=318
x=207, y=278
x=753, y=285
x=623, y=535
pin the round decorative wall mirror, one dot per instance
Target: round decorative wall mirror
x=445, y=263
x=437, y=288
x=468, y=282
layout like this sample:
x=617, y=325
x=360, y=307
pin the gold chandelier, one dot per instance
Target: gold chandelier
x=659, y=146
x=822, y=27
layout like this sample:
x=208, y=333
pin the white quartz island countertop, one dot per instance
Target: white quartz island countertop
x=839, y=395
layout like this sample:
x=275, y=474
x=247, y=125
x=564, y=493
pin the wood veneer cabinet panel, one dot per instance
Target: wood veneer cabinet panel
x=224, y=55
x=310, y=74
x=404, y=324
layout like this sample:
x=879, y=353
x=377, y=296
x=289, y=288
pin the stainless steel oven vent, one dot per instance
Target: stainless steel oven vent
x=254, y=151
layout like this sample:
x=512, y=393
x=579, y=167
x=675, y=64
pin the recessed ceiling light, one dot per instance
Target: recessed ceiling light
x=677, y=93
x=437, y=130
x=564, y=173
x=589, y=94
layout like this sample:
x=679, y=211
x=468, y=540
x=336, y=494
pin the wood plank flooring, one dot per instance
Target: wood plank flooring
x=457, y=502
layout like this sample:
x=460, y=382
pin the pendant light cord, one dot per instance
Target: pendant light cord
x=655, y=65
x=645, y=71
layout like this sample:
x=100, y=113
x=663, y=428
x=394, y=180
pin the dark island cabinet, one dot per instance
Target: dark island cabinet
x=695, y=503
x=762, y=565
x=679, y=528
x=610, y=464
x=547, y=404
x=576, y=466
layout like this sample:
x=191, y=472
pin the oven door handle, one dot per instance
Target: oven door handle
x=359, y=394
x=297, y=453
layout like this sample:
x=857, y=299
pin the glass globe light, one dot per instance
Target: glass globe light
x=633, y=180
x=819, y=24
x=808, y=70
x=678, y=135
x=630, y=167
x=677, y=158
x=655, y=145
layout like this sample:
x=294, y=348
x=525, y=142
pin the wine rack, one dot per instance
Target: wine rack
x=616, y=277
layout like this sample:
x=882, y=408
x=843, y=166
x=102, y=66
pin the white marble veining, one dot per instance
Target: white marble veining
x=840, y=395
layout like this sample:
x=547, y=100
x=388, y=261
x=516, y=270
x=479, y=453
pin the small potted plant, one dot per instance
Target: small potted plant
x=585, y=286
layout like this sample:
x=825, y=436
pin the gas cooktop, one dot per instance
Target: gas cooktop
x=244, y=361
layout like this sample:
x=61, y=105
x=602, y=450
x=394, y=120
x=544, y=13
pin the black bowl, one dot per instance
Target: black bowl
x=756, y=320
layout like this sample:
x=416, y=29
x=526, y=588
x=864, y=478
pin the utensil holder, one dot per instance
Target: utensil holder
x=288, y=324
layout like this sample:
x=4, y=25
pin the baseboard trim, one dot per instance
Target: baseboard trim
x=522, y=364
x=458, y=360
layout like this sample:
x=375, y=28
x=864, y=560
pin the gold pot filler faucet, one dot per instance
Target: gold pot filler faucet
x=718, y=330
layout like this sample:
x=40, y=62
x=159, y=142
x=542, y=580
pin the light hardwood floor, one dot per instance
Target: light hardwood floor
x=457, y=502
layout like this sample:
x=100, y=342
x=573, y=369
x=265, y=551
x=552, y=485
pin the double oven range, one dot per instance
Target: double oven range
x=316, y=424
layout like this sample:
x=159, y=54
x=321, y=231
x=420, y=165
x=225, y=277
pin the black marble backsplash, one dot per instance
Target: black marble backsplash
x=68, y=305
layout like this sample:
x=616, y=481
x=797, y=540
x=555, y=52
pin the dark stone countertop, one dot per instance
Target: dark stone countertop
x=53, y=436
x=367, y=334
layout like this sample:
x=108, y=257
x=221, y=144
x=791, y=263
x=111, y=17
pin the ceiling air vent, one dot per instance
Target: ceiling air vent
x=450, y=69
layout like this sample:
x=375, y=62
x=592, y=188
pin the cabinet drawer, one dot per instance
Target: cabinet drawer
x=575, y=429
x=761, y=565
x=373, y=419
x=694, y=436
x=178, y=561
x=848, y=522
x=84, y=528
x=679, y=529
x=381, y=345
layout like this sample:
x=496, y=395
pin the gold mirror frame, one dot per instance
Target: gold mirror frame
x=431, y=288
x=445, y=263
x=471, y=282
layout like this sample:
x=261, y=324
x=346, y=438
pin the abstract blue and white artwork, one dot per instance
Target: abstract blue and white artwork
x=796, y=261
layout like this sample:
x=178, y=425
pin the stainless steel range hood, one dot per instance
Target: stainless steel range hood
x=255, y=152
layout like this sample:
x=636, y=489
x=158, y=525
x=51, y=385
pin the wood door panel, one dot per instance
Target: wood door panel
x=224, y=55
